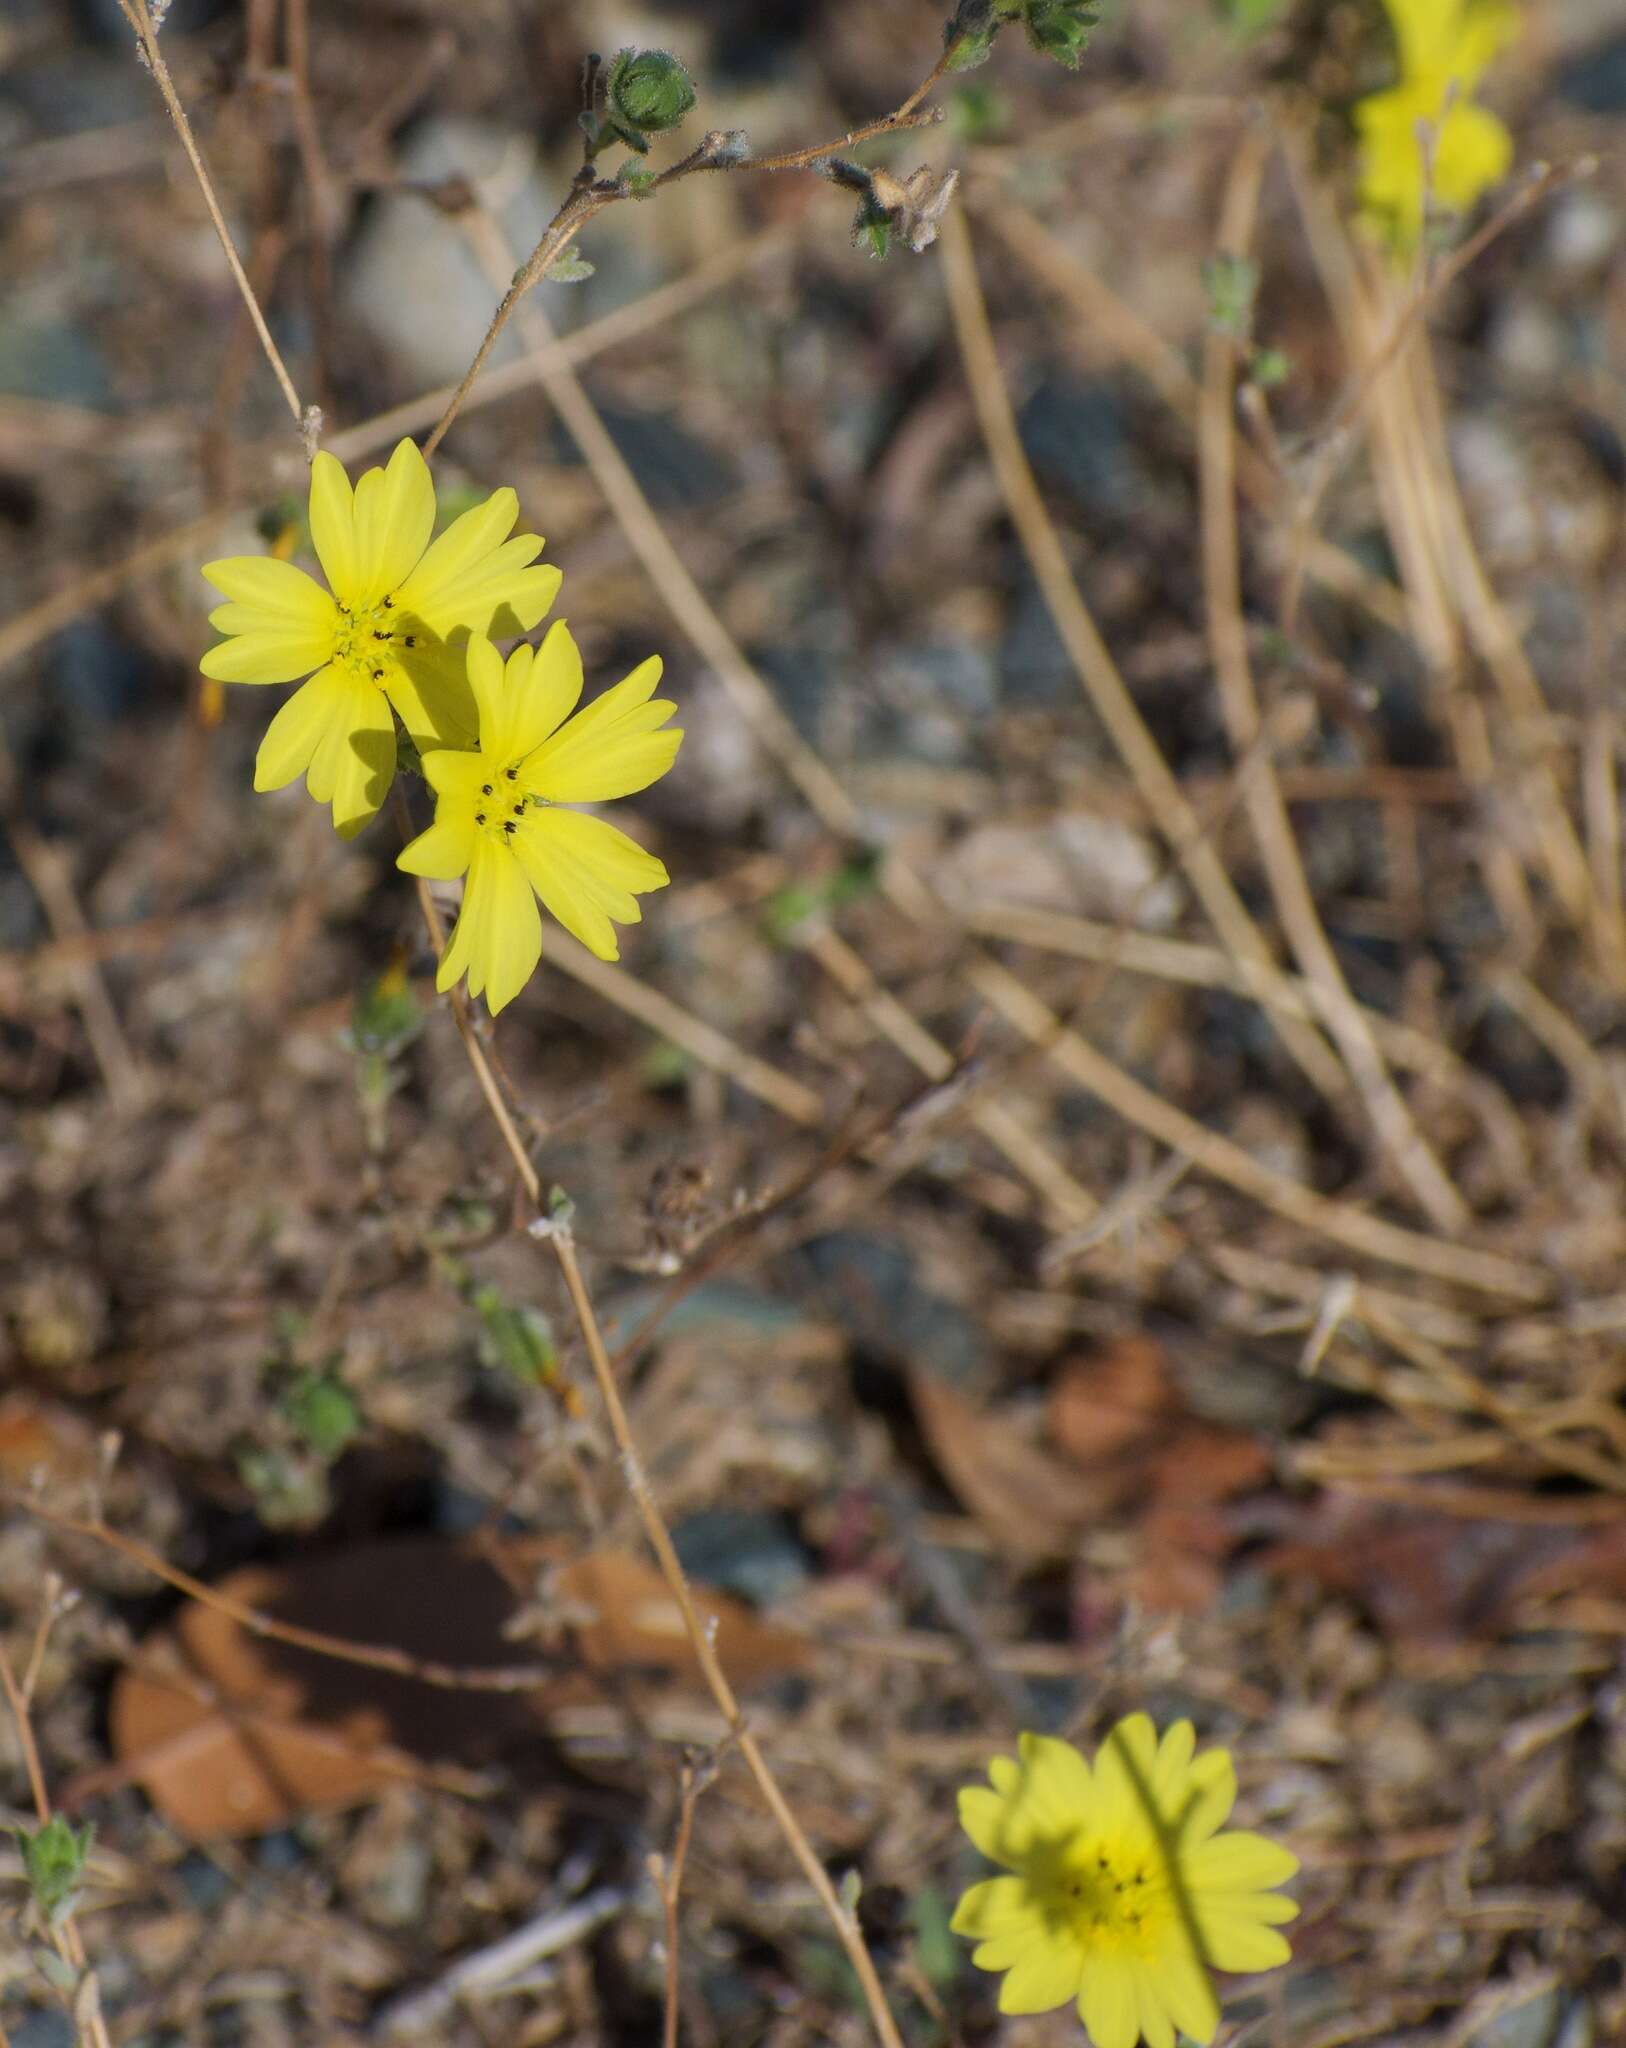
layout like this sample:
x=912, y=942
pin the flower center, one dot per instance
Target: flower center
x=1111, y=1895
x=501, y=803
x=370, y=642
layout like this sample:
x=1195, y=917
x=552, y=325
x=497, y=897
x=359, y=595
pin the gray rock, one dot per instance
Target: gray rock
x=1595, y=80
x=411, y=281
x=758, y=1556
x=1543, y=2021
x=870, y=1286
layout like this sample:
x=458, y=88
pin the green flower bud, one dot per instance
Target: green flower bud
x=648, y=91
x=54, y=1858
x=1060, y=29
x=969, y=34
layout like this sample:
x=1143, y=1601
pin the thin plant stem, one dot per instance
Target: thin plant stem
x=659, y=1537
x=590, y=195
x=137, y=14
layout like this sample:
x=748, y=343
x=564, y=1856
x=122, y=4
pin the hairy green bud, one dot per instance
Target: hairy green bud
x=646, y=92
x=54, y=1863
x=1059, y=28
x=968, y=34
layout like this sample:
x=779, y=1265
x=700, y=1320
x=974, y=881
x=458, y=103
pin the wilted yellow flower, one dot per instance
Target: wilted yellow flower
x=1124, y=1890
x=1445, y=46
x=499, y=816
x=387, y=635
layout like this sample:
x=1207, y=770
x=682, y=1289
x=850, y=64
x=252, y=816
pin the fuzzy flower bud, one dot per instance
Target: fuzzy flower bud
x=647, y=91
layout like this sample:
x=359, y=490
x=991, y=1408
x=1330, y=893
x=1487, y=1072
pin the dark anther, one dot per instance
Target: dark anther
x=485, y=789
x=512, y=774
x=519, y=810
x=479, y=817
x=510, y=826
x=378, y=675
x=377, y=635
x=389, y=604
x=412, y=639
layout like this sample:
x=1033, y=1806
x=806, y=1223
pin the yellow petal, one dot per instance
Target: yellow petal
x=1472, y=152
x=612, y=748
x=984, y=1815
x=1056, y=1780
x=428, y=684
x=472, y=577
x=1045, y=1976
x=354, y=762
x=1234, y=1942
x=1106, y=2003
x=498, y=936
x=1238, y=1861
x=456, y=774
x=485, y=672
x=333, y=528
x=552, y=688
x=394, y=515
x=266, y=657
x=338, y=733
x=291, y=739
x=1201, y=1805
x=997, y=1908
x=1483, y=29
x=1124, y=1768
x=1183, y=1989
x=586, y=872
x=442, y=853
x=278, y=592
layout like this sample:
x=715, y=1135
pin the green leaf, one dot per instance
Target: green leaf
x=1268, y=367
x=570, y=266
x=517, y=1341
x=54, y=1863
x=322, y=1410
x=385, y=1018
x=936, y=1950
x=1060, y=28
x=1231, y=282
x=979, y=112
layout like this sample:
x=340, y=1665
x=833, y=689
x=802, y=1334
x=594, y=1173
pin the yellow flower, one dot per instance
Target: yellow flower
x=1445, y=46
x=498, y=815
x=385, y=636
x=1124, y=1892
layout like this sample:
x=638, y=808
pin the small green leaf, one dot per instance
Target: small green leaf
x=570, y=266
x=54, y=1863
x=385, y=1018
x=1231, y=282
x=979, y=112
x=517, y=1341
x=1268, y=367
x=322, y=1410
x=936, y=1950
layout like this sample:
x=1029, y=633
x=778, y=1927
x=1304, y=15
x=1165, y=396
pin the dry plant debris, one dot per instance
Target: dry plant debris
x=1103, y=1182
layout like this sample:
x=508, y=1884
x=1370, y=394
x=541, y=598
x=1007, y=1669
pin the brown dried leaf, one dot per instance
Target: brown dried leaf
x=249, y=1732
x=1030, y=1503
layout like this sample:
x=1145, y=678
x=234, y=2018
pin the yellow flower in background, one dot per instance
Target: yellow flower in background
x=385, y=639
x=499, y=816
x=1126, y=1888
x=1445, y=46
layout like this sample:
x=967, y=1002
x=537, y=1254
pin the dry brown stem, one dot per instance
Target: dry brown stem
x=1239, y=702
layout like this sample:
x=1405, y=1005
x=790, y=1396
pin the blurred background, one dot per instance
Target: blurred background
x=1029, y=1309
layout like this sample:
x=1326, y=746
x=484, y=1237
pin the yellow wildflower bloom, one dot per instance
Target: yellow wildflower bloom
x=1125, y=1888
x=387, y=634
x=499, y=815
x=1445, y=46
